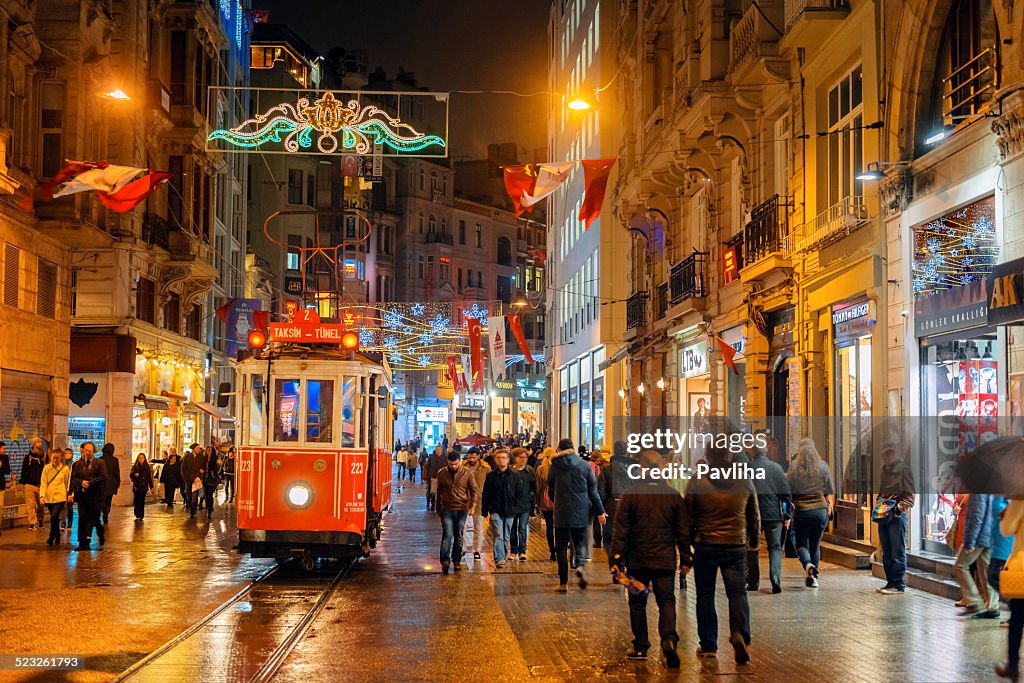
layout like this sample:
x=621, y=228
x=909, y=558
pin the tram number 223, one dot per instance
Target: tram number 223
x=245, y=465
x=357, y=468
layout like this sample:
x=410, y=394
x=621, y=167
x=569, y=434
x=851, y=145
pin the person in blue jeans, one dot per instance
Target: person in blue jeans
x=897, y=483
x=503, y=488
x=524, y=506
x=572, y=487
x=456, y=496
x=773, y=497
x=810, y=482
x=721, y=523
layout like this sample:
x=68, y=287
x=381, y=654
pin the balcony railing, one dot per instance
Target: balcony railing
x=662, y=302
x=687, y=278
x=795, y=8
x=156, y=231
x=835, y=222
x=969, y=88
x=438, y=238
x=636, y=310
x=754, y=35
x=768, y=230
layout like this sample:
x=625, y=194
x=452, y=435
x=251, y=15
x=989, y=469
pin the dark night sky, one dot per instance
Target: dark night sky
x=450, y=45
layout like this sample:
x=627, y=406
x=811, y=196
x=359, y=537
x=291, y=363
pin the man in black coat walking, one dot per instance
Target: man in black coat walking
x=772, y=493
x=113, y=479
x=616, y=481
x=88, y=489
x=502, y=490
x=572, y=487
x=648, y=529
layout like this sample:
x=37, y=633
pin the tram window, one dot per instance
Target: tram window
x=319, y=410
x=256, y=408
x=348, y=413
x=286, y=399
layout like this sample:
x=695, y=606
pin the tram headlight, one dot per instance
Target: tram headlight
x=299, y=495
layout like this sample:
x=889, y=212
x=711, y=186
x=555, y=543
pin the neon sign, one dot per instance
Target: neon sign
x=326, y=119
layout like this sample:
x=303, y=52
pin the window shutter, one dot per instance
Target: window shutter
x=46, y=286
x=12, y=258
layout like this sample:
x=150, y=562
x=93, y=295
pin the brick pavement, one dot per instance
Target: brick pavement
x=398, y=615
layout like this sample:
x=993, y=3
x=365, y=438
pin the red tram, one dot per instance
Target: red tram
x=313, y=468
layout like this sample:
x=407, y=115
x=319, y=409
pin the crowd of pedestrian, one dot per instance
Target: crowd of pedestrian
x=54, y=483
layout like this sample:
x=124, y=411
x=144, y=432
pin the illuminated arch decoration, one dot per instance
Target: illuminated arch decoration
x=316, y=126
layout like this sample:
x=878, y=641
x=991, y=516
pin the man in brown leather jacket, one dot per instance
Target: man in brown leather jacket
x=721, y=518
x=456, y=495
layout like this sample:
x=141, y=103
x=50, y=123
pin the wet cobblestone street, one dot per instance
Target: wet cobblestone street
x=396, y=618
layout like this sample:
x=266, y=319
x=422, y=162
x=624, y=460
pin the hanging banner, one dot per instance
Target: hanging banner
x=453, y=374
x=239, y=323
x=467, y=372
x=517, y=331
x=496, y=345
x=475, y=353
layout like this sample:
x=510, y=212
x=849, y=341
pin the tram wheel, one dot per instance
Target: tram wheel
x=307, y=561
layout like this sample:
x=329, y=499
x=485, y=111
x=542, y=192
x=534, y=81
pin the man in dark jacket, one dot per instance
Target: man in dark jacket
x=229, y=475
x=524, y=506
x=5, y=471
x=616, y=481
x=647, y=530
x=88, y=489
x=31, y=475
x=721, y=522
x=113, y=479
x=436, y=462
x=772, y=493
x=897, y=483
x=502, y=490
x=190, y=470
x=457, y=494
x=573, y=490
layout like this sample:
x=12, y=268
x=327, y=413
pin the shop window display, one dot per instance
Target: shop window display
x=960, y=381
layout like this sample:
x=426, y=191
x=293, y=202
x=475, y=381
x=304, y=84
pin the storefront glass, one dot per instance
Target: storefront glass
x=853, y=421
x=959, y=385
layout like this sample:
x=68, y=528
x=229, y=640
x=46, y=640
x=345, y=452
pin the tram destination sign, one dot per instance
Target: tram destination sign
x=304, y=333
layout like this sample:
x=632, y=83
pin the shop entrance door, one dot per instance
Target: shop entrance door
x=851, y=463
x=778, y=409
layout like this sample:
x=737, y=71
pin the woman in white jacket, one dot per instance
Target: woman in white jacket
x=53, y=491
x=1012, y=524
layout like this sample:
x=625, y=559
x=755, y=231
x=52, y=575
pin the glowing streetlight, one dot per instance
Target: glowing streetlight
x=579, y=104
x=117, y=95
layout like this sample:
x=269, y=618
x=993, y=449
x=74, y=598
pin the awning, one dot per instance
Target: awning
x=214, y=412
x=154, y=402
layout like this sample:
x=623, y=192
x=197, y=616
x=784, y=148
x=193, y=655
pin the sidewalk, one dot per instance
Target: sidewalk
x=113, y=606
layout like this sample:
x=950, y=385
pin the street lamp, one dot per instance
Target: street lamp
x=874, y=170
x=117, y=94
x=578, y=104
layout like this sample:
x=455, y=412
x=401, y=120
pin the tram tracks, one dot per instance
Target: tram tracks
x=274, y=612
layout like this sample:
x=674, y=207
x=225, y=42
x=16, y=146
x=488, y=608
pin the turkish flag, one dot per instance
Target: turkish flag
x=222, y=311
x=519, y=182
x=132, y=194
x=453, y=374
x=474, y=350
x=728, y=353
x=517, y=332
x=595, y=181
x=261, y=320
x=527, y=185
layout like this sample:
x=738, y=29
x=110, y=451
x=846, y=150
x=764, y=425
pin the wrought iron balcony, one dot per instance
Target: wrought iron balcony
x=662, y=303
x=835, y=222
x=970, y=87
x=687, y=278
x=768, y=230
x=636, y=310
x=156, y=231
x=438, y=238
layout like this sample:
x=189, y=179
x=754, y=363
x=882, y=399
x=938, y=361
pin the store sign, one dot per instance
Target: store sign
x=781, y=324
x=951, y=309
x=693, y=359
x=431, y=414
x=852, y=320
x=730, y=265
x=301, y=333
x=472, y=402
x=504, y=385
x=523, y=382
x=88, y=395
x=1005, y=293
x=526, y=394
x=293, y=285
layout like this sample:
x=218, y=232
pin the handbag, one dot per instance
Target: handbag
x=884, y=510
x=1011, y=578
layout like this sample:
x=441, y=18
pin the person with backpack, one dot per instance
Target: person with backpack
x=573, y=489
x=544, y=504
